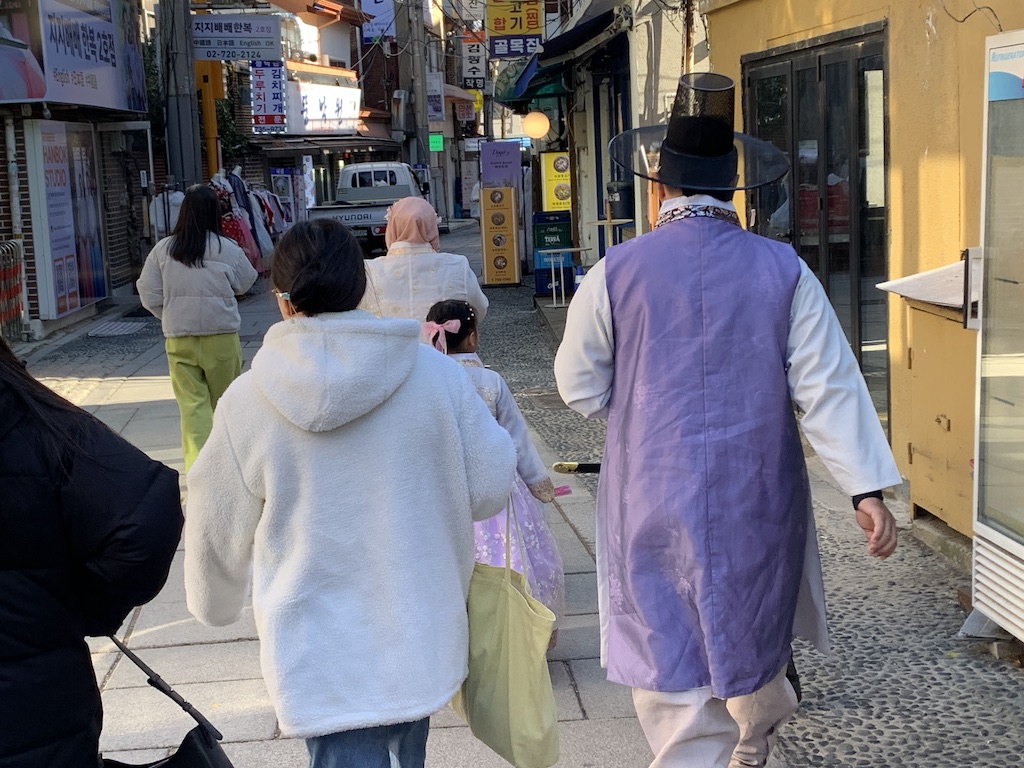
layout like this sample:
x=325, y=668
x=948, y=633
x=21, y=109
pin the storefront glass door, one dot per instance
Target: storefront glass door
x=825, y=107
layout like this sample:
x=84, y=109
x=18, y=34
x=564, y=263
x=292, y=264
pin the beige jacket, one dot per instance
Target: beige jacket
x=196, y=301
x=412, y=278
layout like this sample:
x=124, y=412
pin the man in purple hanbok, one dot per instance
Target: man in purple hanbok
x=694, y=341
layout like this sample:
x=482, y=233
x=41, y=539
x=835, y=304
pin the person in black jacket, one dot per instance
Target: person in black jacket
x=88, y=528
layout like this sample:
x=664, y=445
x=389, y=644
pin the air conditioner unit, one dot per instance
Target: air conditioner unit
x=400, y=111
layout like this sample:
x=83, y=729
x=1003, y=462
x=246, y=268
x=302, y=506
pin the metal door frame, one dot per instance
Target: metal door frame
x=816, y=55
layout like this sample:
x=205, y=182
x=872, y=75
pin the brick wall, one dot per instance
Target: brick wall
x=379, y=75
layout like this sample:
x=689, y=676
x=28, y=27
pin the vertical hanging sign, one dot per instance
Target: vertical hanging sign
x=435, y=96
x=268, y=96
x=514, y=28
x=474, y=60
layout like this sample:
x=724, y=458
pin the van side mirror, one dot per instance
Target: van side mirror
x=425, y=188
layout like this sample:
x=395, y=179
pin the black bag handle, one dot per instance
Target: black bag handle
x=158, y=682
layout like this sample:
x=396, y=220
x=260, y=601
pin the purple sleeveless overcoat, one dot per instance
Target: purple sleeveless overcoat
x=703, y=494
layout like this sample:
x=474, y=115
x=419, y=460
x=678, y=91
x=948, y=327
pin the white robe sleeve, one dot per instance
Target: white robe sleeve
x=839, y=419
x=220, y=528
x=475, y=294
x=529, y=463
x=585, y=362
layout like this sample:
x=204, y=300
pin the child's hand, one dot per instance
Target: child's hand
x=544, y=491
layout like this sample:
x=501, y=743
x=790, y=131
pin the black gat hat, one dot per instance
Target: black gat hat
x=698, y=148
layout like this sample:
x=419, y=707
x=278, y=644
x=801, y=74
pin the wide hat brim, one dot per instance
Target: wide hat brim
x=753, y=163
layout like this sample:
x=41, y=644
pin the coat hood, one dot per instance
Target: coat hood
x=325, y=371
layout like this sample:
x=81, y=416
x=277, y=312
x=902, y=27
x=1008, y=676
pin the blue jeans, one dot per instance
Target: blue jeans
x=402, y=745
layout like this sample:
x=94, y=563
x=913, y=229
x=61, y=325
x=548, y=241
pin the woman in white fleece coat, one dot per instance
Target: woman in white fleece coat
x=347, y=467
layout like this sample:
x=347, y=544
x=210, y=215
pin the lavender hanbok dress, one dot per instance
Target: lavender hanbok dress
x=543, y=561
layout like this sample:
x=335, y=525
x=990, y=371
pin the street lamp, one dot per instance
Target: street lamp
x=536, y=125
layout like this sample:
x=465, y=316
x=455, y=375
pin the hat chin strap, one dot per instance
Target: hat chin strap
x=685, y=171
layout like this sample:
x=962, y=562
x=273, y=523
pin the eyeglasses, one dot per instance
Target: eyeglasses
x=283, y=295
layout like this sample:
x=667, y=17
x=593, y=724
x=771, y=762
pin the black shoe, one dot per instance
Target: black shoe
x=794, y=679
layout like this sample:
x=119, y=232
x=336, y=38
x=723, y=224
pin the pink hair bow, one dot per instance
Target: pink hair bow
x=440, y=331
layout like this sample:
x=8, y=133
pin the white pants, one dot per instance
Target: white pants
x=692, y=729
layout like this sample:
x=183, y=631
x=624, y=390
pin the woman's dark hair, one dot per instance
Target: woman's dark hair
x=453, y=309
x=60, y=421
x=319, y=264
x=199, y=216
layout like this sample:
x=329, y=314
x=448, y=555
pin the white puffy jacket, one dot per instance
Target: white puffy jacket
x=196, y=301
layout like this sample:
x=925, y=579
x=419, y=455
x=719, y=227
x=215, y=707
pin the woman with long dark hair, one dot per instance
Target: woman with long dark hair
x=88, y=528
x=190, y=281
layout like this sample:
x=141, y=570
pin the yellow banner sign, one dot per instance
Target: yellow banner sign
x=556, y=181
x=514, y=28
x=500, y=229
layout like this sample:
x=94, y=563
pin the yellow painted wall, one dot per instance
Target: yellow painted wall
x=936, y=92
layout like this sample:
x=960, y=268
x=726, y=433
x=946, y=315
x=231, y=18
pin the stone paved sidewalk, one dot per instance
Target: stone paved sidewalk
x=898, y=689
x=123, y=380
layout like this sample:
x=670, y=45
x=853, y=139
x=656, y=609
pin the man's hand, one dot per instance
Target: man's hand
x=879, y=527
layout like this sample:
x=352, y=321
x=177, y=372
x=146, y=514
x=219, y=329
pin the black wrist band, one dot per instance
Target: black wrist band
x=873, y=495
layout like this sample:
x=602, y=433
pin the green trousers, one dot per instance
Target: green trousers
x=201, y=369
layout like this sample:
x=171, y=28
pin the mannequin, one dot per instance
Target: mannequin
x=241, y=192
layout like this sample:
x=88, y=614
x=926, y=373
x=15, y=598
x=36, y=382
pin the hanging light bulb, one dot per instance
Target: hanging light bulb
x=536, y=125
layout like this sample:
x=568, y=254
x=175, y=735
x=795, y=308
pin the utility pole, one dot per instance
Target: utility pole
x=184, y=158
x=419, y=81
x=689, y=25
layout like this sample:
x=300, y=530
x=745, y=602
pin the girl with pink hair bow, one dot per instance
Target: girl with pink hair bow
x=451, y=328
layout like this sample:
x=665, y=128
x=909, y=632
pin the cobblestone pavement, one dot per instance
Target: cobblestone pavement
x=899, y=688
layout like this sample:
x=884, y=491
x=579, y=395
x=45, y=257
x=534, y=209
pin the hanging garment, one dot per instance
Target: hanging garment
x=259, y=228
x=231, y=225
x=241, y=194
x=164, y=210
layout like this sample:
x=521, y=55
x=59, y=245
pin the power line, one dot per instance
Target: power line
x=991, y=15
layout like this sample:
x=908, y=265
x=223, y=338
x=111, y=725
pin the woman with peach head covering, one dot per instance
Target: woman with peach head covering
x=415, y=274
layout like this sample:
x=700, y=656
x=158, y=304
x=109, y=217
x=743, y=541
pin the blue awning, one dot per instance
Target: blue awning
x=542, y=75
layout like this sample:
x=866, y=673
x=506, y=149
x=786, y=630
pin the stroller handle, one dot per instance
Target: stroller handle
x=158, y=682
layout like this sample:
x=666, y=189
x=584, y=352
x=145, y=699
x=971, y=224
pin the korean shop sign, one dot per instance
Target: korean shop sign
x=268, y=96
x=83, y=52
x=315, y=108
x=514, y=27
x=474, y=60
x=236, y=37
